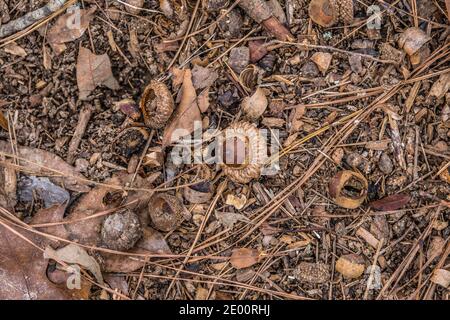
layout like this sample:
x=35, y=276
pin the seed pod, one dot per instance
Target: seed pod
x=130, y=141
x=199, y=193
x=121, y=230
x=412, y=40
x=157, y=105
x=166, y=212
x=351, y=266
x=242, y=152
x=314, y=273
x=348, y=189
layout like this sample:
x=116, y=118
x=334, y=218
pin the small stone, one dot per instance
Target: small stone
x=239, y=59
x=354, y=159
x=385, y=164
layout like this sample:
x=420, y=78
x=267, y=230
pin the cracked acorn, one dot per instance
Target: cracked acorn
x=242, y=149
x=327, y=13
x=166, y=212
x=157, y=105
x=130, y=141
x=348, y=189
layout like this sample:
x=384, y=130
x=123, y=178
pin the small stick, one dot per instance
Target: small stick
x=85, y=115
x=30, y=18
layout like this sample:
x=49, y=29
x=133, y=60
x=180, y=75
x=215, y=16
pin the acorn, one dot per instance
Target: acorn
x=242, y=149
x=348, y=189
x=327, y=13
x=166, y=212
x=121, y=230
x=250, y=77
x=157, y=105
x=130, y=141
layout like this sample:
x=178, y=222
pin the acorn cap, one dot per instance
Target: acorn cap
x=243, y=152
x=346, y=11
x=157, y=104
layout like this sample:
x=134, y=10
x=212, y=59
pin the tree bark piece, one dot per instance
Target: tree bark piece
x=30, y=18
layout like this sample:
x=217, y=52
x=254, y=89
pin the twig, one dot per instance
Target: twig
x=30, y=18
x=85, y=115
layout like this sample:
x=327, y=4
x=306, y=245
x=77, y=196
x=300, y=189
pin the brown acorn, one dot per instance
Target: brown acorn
x=166, y=212
x=348, y=189
x=157, y=104
x=121, y=230
x=242, y=149
x=130, y=141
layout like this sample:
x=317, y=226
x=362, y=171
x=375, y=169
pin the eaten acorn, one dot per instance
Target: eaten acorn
x=130, y=141
x=166, y=212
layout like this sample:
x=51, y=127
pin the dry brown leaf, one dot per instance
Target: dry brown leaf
x=203, y=100
x=236, y=201
x=44, y=163
x=295, y=118
x=322, y=60
x=23, y=267
x=441, y=87
x=46, y=58
x=178, y=76
x=447, y=4
x=391, y=203
x=70, y=26
x=229, y=219
x=436, y=247
x=441, y=277
x=183, y=120
x=203, y=77
x=244, y=257
x=93, y=71
x=3, y=122
x=14, y=49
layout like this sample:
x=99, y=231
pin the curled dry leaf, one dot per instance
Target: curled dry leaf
x=244, y=257
x=42, y=163
x=255, y=105
x=93, y=71
x=236, y=201
x=187, y=114
x=75, y=254
x=314, y=273
x=70, y=26
x=351, y=266
x=348, y=189
x=391, y=203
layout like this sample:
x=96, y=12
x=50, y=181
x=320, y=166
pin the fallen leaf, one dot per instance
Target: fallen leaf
x=187, y=114
x=23, y=268
x=177, y=77
x=257, y=49
x=41, y=187
x=295, y=118
x=322, y=60
x=436, y=247
x=203, y=100
x=92, y=71
x=441, y=87
x=75, y=254
x=229, y=219
x=70, y=26
x=46, y=58
x=3, y=121
x=244, y=258
x=441, y=277
x=391, y=203
x=43, y=163
x=203, y=77
x=14, y=49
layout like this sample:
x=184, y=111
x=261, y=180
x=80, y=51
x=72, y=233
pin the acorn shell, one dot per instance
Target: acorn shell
x=342, y=180
x=166, y=212
x=199, y=193
x=412, y=39
x=255, y=147
x=324, y=12
x=130, y=141
x=157, y=105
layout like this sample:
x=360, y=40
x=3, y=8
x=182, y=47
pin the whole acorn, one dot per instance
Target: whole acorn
x=130, y=141
x=157, y=105
x=166, y=212
x=121, y=230
x=242, y=149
